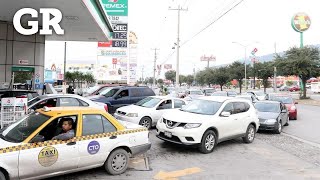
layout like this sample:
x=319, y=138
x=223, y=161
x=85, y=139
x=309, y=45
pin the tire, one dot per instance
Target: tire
x=2, y=176
x=208, y=142
x=250, y=134
x=115, y=168
x=287, y=123
x=279, y=128
x=146, y=122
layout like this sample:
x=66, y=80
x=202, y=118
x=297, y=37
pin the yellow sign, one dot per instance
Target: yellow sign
x=48, y=156
x=173, y=175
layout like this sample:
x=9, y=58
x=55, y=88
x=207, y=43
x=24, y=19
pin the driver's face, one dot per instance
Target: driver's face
x=66, y=126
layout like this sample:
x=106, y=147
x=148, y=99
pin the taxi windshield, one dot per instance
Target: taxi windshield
x=22, y=129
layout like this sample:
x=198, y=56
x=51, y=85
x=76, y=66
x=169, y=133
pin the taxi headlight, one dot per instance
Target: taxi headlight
x=192, y=125
x=132, y=114
x=270, y=121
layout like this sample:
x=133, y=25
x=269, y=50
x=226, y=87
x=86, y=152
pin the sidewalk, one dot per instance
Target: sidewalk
x=308, y=102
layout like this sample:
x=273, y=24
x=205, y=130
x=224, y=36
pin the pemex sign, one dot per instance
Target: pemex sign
x=115, y=7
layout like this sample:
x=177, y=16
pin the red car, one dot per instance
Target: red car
x=288, y=101
x=294, y=88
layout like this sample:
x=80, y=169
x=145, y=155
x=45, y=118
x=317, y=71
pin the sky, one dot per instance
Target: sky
x=257, y=23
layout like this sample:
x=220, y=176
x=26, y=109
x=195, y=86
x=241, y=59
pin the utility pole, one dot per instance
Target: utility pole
x=65, y=61
x=178, y=43
x=154, y=66
x=142, y=73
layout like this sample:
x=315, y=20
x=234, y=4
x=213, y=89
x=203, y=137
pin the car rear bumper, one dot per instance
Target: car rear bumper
x=136, y=150
x=293, y=114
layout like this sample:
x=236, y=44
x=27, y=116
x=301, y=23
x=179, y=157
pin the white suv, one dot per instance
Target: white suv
x=208, y=121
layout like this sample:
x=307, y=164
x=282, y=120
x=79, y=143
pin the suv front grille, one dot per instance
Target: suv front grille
x=172, y=124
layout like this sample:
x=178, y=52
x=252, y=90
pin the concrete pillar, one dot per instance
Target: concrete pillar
x=15, y=47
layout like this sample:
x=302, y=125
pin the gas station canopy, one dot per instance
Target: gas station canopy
x=83, y=20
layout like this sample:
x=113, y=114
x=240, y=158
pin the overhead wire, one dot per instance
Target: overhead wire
x=211, y=23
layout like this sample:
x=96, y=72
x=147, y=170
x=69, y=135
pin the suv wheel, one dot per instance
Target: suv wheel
x=146, y=122
x=279, y=128
x=2, y=176
x=250, y=134
x=117, y=162
x=208, y=142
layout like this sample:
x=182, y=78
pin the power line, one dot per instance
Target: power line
x=206, y=27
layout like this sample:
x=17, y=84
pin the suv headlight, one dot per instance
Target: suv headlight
x=270, y=121
x=192, y=125
x=132, y=114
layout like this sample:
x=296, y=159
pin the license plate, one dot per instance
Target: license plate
x=168, y=134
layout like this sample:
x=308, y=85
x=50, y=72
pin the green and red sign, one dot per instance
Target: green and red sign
x=115, y=7
x=300, y=22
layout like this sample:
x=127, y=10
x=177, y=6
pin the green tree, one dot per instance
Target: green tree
x=160, y=81
x=264, y=72
x=182, y=79
x=89, y=78
x=221, y=76
x=22, y=77
x=70, y=77
x=170, y=75
x=209, y=74
x=200, y=78
x=302, y=62
x=189, y=80
x=236, y=71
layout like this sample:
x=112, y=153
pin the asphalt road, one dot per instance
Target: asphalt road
x=268, y=157
x=307, y=125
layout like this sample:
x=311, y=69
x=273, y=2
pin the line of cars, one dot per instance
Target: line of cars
x=104, y=140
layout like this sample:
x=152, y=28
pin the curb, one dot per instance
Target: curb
x=302, y=140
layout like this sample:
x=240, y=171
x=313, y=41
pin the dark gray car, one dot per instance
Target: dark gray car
x=272, y=115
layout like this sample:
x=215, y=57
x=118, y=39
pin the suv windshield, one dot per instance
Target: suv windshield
x=109, y=92
x=267, y=107
x=22, y=129
x=148, y=102
x=92, y=89
x=202, y=107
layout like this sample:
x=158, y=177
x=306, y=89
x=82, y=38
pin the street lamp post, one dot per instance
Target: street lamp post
x=245, y=61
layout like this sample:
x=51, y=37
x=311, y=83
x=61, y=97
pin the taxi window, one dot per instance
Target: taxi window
x=107, y=126
x=92, y=124
x=96, y=124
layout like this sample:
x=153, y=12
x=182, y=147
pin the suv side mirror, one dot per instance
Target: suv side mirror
x=225, y=114
x=38, y=138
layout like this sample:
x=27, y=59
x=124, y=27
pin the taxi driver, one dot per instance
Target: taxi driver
x=68, y=132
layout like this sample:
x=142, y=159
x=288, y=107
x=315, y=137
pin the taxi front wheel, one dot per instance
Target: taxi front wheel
x=117, y=162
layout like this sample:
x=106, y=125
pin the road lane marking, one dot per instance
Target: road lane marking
x=173, y=175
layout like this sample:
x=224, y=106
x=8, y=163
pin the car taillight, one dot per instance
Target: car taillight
x=106, y=108
x=293, y=108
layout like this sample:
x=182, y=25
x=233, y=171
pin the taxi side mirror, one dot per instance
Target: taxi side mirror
x=37, y=138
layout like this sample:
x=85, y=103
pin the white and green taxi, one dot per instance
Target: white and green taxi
x=27, y=150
